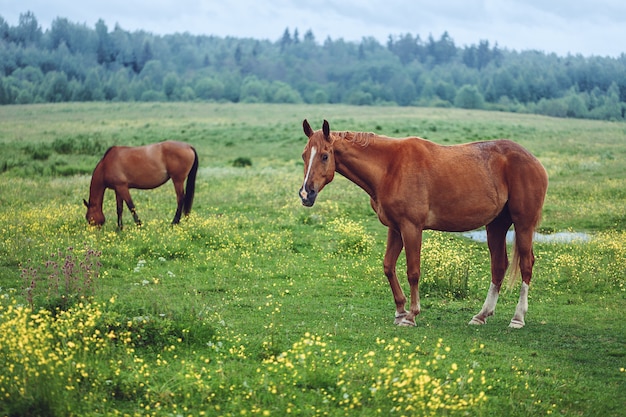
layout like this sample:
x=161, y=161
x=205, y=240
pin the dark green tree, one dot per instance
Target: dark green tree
x=105, y=51
x=28, y=31
x=576, y=106
x=468, y=97
x=4, y=30
x=253, y=90
x=407, y=48
x=91, y=89
x=209, y=88
x=285, y=40
x=60, y=32
x=170, y=85
x=238, y=54
x=443, y=50
x=309, y=37
x=56, y=87
x=281, y=92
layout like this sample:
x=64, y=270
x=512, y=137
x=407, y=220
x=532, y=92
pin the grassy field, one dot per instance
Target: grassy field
x=255, y=305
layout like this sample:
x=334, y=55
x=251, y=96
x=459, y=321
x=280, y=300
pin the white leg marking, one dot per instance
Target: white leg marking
x=406, y=323
x=517, y=322
x=401, y=319
x=400, y=315
x=303, y=191
x=489, y=307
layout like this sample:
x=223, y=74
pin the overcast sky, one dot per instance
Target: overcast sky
x=587, y=27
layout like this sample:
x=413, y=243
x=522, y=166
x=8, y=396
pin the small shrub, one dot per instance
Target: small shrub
x=38, y=152
x=242, y=162
x=63, y=146
x=70, y=170
x=80, y=145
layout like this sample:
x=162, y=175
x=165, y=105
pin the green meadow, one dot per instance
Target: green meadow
x=255, y=305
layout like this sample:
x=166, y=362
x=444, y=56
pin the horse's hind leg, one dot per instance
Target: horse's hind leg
x=524, y=255
x=496, y=240
x=180, y=200
x=120, y=209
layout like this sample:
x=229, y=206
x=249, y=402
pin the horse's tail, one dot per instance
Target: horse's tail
x=514, y=271
x=191, y=185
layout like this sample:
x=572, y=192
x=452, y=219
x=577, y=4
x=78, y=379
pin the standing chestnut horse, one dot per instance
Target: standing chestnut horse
x=143, y=167
x=415, y=184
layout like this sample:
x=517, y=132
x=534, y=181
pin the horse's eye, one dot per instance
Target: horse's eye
x=324, y=157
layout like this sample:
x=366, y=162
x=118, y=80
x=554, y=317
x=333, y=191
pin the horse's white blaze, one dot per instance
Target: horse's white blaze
x=303, y=191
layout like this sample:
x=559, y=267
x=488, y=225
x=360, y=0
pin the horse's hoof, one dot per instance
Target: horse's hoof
x=516, y=324
x=407, y=323
x=477, y=321
x=399, y=317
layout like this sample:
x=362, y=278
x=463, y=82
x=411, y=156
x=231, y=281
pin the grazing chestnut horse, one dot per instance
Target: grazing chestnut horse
x=415, y=184
x=142, y=167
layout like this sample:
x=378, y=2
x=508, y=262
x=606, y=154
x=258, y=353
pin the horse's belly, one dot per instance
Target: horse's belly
x=453, y=226
x=148, y=182
x=455, y=220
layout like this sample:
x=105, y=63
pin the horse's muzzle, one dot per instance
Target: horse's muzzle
x=307, y=197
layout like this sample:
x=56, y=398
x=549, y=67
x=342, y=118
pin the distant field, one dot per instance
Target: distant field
x=256, y=304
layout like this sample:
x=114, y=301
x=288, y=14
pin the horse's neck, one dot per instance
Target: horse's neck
x=97, y=188
x=362, y=163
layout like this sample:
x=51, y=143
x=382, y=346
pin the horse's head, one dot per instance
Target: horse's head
x=319, y=162
x=94, y=216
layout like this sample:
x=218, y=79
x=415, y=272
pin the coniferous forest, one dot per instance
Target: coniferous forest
x=74, y=62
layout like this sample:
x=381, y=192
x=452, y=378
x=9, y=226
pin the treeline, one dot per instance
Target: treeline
x=73, y=62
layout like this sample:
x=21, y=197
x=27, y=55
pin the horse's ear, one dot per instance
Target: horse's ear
x=307, y=128
x=85, y=203
x=326, y=130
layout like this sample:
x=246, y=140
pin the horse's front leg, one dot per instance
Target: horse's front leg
x=122, y=195
x=412, y=246
x=120, y=209
x=394, y=248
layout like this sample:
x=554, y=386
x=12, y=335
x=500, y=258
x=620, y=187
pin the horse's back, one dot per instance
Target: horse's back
x=468, y=185
x=147, y=166
x=517, y=175
x=503, y=160
x=520, y=171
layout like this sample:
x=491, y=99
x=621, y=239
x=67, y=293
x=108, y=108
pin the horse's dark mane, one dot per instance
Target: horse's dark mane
x=359, y=138
x=106, y=153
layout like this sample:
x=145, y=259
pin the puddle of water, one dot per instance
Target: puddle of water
x=559, y=237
